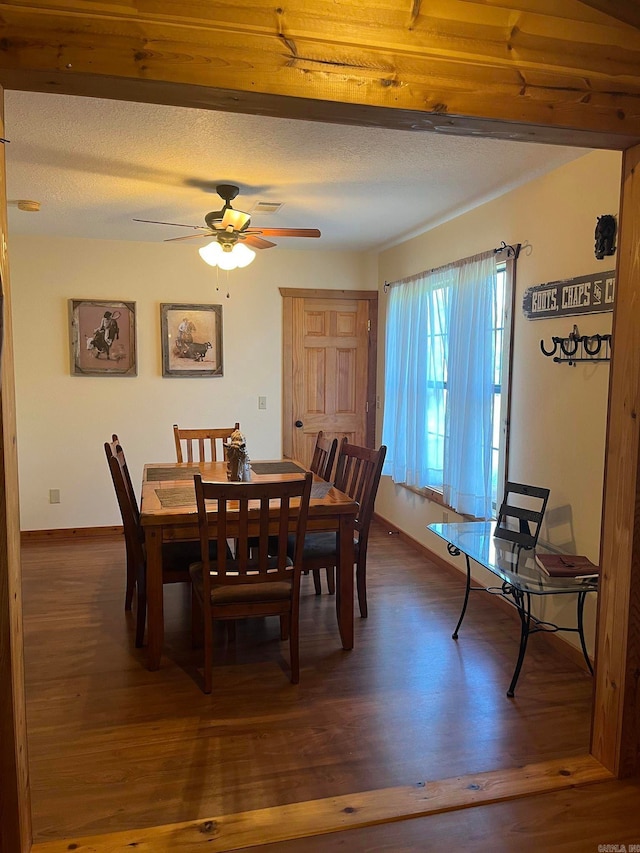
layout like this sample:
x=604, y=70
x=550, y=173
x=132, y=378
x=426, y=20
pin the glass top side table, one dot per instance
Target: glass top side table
x=521, y=578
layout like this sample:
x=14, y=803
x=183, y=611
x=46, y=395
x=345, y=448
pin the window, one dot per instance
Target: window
x=445, y=409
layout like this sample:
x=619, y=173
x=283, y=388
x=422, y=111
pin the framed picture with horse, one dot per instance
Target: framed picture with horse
x=103, y=337
x=191, y=339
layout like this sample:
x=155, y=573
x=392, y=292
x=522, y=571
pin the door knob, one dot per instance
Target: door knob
x=299, y=424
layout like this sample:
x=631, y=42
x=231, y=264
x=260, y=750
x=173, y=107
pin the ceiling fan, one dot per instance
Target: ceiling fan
x=230, y=228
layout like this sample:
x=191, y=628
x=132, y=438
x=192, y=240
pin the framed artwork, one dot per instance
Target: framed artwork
x=103, y=337
x=191, y=340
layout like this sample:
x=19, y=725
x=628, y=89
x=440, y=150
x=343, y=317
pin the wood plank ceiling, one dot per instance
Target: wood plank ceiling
x=547, y=67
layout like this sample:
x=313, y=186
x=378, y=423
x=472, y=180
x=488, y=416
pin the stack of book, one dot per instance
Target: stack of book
x=567, y=566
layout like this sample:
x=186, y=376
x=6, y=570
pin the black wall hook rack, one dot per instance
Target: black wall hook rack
x=576, y=347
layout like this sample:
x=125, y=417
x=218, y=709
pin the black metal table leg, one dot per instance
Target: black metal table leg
x=525, y=624
x=454, y=552
x=581, y=599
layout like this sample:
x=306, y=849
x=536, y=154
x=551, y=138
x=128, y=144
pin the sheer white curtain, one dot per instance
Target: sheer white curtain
x=415, y=392
x=439, y=382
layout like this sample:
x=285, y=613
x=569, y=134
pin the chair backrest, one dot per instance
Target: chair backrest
x=358, y=475
x=114, y=448
x=126, y=500
x=323, y=456
x=521, y=512
x=207, y=441
x=280, y=508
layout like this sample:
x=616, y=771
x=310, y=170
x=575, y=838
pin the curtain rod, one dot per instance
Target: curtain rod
x=511, y=253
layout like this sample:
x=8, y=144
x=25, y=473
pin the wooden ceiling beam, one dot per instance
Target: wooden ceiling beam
x=331, y=112
x=486, y=34
x=511, y=66
x=440, y=66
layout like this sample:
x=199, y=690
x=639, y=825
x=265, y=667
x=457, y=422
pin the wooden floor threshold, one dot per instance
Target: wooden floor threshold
x=337, y=814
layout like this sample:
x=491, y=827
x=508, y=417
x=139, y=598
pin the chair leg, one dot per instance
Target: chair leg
x=131, y=583
x=331, y=580
x=361, y=582
x=197, y=616
x=208, y=654
x=141, y=605
x=294, y=649
x=316, y=581
x=284, y=626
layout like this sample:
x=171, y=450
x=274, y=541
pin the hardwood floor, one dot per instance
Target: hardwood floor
x=113, y=746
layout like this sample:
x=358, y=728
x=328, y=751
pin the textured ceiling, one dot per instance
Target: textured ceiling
x=95, y=165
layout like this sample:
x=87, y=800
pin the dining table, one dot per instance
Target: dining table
x=168, y=513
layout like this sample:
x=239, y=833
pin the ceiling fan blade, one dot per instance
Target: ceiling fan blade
x=285, y=232
x=257, y=242
x=176, y=224
x=191, y=237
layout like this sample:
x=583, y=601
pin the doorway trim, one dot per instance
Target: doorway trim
x=616, y=705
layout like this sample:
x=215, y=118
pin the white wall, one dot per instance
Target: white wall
x=64, y=420
x=558, y=415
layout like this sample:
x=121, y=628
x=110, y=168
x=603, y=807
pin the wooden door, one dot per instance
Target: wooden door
x=329, y=358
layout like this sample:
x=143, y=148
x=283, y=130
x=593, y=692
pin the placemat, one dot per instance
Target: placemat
x=154, y=474
x=276, y=468
x=176, y=497
x=320, y=490
x=185, y=497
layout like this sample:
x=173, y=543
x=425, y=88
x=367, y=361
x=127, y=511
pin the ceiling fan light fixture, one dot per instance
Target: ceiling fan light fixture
x=243, y=254
x=227, y=260
x=234, y=220
x=211, y=253
x=230, y=229
x=226, y=256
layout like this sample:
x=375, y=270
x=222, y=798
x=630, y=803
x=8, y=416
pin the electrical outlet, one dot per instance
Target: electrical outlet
x=54, y=496
x=262, y=402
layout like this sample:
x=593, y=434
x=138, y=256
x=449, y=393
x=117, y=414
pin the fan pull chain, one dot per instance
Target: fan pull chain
x=218, y=281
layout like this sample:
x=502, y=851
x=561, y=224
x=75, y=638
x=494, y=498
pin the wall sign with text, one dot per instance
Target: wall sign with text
x=587, y=294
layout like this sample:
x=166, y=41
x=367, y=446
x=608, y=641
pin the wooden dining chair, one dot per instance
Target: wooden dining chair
x=257, y=580
x=176, y=556
x=357, y=475
x=322, y=464
x=126, y=494
x=521, y=513
x=207, y=441
x=324, y=455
